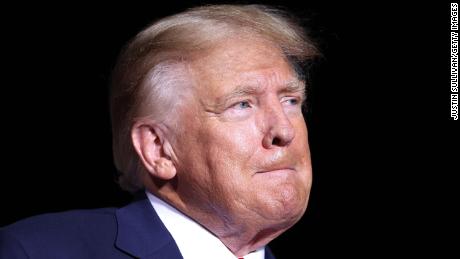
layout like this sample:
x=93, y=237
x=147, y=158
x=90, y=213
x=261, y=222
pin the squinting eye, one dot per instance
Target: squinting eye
x=243, y=105
x=293, y=101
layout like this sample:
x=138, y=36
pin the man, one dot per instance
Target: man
x=207, y=123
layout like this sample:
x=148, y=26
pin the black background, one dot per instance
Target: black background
x=384, y=148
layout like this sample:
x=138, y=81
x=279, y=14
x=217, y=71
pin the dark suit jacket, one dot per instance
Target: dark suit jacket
x=134, y=231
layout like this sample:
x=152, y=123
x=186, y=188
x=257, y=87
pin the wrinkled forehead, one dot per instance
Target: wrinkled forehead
x=241, y=61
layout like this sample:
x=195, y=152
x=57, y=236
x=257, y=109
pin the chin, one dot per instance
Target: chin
x=280, y=218
x=286, y=205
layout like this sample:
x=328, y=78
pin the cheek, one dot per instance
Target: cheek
x=233, y=143
x=224, y=156
x=301, y=137
x=229, y=151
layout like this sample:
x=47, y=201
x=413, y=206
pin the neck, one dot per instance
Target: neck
x=240, y=236
x=243, y=243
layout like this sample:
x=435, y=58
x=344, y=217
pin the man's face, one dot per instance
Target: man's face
x=242, y=149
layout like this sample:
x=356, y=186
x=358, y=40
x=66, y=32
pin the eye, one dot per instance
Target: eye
x=239, y=110
x=292, y=101
x=242, y=105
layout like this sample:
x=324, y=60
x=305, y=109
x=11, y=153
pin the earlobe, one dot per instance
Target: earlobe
x=150, y=148
x=165, y=168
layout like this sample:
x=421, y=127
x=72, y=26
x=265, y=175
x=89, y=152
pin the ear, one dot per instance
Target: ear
x=149, y=144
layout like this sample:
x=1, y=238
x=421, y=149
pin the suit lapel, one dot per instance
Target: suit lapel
x=268, y=253
x=142, y=234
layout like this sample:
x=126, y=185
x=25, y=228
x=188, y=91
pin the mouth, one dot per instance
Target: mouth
x=283, y=170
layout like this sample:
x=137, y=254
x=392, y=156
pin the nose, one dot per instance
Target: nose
x=279, y=131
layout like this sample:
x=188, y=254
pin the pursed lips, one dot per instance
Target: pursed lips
x=282, y=169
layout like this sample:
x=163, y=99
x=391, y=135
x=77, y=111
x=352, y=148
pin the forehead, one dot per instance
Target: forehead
x=240, y=61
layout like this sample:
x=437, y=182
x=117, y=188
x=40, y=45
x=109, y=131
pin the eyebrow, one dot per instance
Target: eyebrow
x=239, y=91
x=294, y=86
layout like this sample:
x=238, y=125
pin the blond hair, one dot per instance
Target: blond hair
x=150, y=65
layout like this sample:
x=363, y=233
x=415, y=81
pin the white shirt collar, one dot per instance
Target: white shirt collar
x=193, y=240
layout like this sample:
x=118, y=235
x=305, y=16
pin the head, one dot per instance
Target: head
x=206, y=113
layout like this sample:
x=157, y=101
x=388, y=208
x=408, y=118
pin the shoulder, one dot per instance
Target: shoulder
x=53, y=223
x=69, y=230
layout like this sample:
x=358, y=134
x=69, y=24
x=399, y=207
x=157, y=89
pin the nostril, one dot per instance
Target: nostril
x=276, y=141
